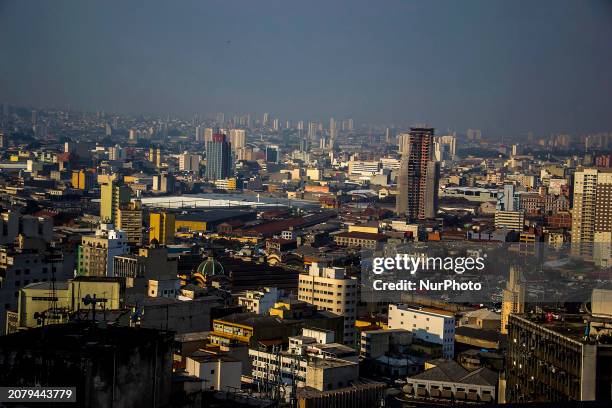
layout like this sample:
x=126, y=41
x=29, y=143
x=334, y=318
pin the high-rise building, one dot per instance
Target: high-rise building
x=312, y=130
x=513, y=301
x=218, y=158
x=129, y=220
x=389, y=136
x=163, y=183
x=208, y=134
x=116, y=153
x=507, y=199
x=266, y=119
x=161, y=227
x=592, y=214
x=199, y=134
x=403, y=142
x=561, y=360
x=474, y=135
x=83, y=179
x=300, y=125
x=133, y=137
x=350, y=126
x=451, y=142
x=304, y=145
x=113, y=194
x=2, y=141
x=220, y=118
x=155, y=156
x=272, y=154
x=333, y=132
x=190, y=162
x=333, y=290
x=419, y=175
x=276, y=124
x=237, y=138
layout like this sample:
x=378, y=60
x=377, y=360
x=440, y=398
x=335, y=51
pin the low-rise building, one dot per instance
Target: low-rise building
x=448, y=381
x=260, y=301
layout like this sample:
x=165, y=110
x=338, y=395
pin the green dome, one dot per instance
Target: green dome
x=210, y=267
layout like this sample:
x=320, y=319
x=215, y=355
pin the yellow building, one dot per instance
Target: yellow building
x=112, y=196
x=82, y=179
x=226, y=184
x=371, y=229
x=162, y=227
x=155, y=156
x=513, y=298
x=39, y=304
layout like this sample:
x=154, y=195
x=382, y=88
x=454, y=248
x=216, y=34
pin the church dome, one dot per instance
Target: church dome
x=210, y=267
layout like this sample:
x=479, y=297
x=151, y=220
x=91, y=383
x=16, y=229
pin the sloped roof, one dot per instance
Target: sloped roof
x=451, y=371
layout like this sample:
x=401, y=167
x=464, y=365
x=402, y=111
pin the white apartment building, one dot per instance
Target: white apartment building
x=431, y=325
x=216, y=371
x=329, y=288
x=260, y=301
x=307, y=354
x=363, y=168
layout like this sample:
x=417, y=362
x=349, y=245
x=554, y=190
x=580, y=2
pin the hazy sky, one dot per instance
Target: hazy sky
x=504, y=66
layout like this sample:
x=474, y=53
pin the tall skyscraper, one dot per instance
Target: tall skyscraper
x=155, y=156
x=272, y=154
x=513, y=301
x=208, y=134
x=218, y=158
x=312, y=130
x=304, y=145
x=417, y=196
x=403, y=143
x=237, y=138
x=451, y=142
x=133, y=135
x=333, y=132
x=474, y=135
x=276, y=124
x=220, y=119
x=506, y=199
x=591, y=215
x=389, y=136
x=199, y=134
x=266, y=119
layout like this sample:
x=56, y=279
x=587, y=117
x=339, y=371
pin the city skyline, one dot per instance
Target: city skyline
x=543, y=68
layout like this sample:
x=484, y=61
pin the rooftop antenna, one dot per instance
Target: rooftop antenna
x=92, y=300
